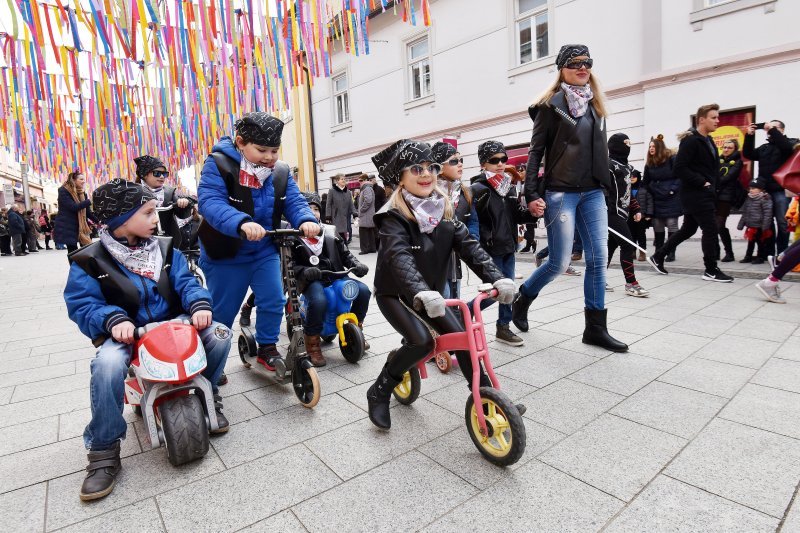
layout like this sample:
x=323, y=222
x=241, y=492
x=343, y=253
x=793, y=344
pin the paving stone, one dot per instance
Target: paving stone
x=639, y=325
x=567, y=405
x=781, y=374
x=23, y=509
x=28, y=435
x=543, y=368
x=24, y=363
x=615, y=455
x=750, y=466
x=622, y=373
x=277, y=397
x=676, y=410
x=64, y=356
x=792, y=522
x=143, y=475
x=670, y=505
x=5, y=395
x=575, y=344
x=285, y=522
x=244, y=381
x=368, y=446
x=790, y=349
x=708, y=376
x=668, y=345
x=569, y=325
x=768, y=330
x=550, y=314
x=238, y=408
x=362, y=372
x=735, y=350
x=401, y=489
x=536, y=497
x=665, y=311
x=36, y=374
x=281, y=429
x=736, y=307
x=534, y=340
x=766, y=408
x=50, y=387
x=454, y=397
x=135, y=518
x=707, y=326
x=240, y=495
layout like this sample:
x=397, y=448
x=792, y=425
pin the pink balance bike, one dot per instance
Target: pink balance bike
x=497, y=428
x=165, y=386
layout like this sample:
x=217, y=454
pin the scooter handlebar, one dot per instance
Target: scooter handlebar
x=283, y=232
x=339, y=273
x=139, y=332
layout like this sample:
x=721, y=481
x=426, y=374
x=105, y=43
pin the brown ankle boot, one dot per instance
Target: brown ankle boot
x=313, y=350
x=366, y=344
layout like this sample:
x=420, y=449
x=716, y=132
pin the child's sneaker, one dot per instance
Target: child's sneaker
x=771, y=291
x=267, y=354
x=570, y=271
x=634, y=289
x=609, y=288
x=505, y=335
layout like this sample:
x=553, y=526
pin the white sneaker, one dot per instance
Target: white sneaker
x=609, y=288
x=634, y=289
x=771, y=291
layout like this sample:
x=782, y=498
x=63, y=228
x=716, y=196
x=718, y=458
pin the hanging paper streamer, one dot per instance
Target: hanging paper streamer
x=92, y=84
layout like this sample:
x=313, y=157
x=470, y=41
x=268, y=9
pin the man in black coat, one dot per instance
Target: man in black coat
x=770, y=156
x=697, y=166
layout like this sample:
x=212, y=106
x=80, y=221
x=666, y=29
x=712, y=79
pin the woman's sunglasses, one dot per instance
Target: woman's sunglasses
x=419, y=170
x=455, y=161
x=575, y=65
x=160, y=173
x=497, y=160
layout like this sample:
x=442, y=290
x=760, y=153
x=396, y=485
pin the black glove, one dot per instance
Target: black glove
x=361, y=270
x=312, y=274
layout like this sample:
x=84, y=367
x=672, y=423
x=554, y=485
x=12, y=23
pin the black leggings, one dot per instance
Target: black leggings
x=418, y=341
x=626, y=250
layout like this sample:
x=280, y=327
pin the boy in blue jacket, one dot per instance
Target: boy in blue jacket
x=237, y=194
x=123, y=281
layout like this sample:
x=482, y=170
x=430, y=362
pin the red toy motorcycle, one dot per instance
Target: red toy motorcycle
x=175, y=400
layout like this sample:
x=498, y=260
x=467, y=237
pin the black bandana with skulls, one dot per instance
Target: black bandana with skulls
x=569, y=51
x=260, y=128
x=488, y=149
x=391, y=161
x=443, y=151
x=117, y=198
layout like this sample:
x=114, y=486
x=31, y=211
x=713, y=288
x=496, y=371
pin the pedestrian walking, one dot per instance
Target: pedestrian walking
x=569, y=134
x=663, y=190
x=339, y=208
x=74, y=212
x=366, y=212
x=697, y=166
x=46, y=227
x=32, y=231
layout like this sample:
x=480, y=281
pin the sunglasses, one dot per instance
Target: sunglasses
x=497, y=160
x=419, y=170
x=160, y=173
x=455, y=161
x=575, y=65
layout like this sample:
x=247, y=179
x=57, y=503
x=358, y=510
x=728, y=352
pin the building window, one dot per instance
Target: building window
x=712, y=3
x=419, y=69
x=532, y=30
x=341, y=100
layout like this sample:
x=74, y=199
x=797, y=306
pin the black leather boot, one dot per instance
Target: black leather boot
x=378, y=399
x=725, y=237
x=596, y=332
x=519, y=311
x=222, y=420
x=101, y=474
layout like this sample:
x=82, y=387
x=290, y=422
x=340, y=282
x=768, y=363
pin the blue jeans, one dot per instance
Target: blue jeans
x=780, y=203
x=505, y=263
x=228, y=285
x=317, y=305
x=566, y=212
x=107, y=385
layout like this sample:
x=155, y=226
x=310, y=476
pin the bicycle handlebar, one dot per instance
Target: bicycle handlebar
x=340, y=273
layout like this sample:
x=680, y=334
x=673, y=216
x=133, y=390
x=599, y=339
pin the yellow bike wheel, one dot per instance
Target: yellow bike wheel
x=504, y=442
x=407, y=391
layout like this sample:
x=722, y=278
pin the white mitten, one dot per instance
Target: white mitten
x=505, y=290
x=432, y=301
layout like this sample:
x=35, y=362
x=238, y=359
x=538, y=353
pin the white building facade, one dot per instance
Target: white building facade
x=473, y=73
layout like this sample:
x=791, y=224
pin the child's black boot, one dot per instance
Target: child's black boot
x=519, y=310
x=101, y=474
x=378, y=396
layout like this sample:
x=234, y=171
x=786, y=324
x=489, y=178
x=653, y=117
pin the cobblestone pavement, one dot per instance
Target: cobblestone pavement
x=696, y=428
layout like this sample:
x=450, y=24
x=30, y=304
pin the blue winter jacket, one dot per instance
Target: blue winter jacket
x=217, y=210
x=88, y=308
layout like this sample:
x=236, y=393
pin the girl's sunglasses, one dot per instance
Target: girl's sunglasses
x=455, y=161
x=419, y=170
x=497, y=160
x=575, y=65
x=160, y=173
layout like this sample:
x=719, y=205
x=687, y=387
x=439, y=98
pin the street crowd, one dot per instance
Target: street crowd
x=424, y=220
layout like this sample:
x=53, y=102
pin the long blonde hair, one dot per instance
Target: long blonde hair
x=397, y=201
x=598, y=101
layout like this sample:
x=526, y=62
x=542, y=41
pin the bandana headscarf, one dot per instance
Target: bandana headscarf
x=158, y=193
x=488, y=149
x=252, y=175
x=451, y=188
x=391, y=161
x=143, y=259
x=146, y=164
x=443, y=151
x=570, y=51
x=428, y=211
x=260, y=128
x=578, y=98
x=499, y=182
x=116, y=201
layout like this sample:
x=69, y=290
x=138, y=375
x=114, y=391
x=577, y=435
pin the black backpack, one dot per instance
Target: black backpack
x=220, y=246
